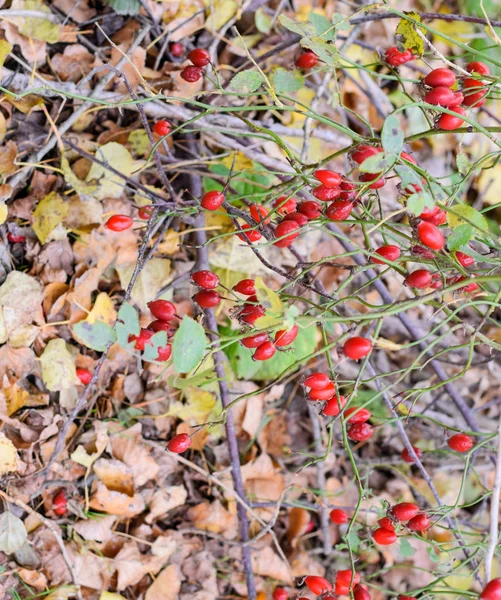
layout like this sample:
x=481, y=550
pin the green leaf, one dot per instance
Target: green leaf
x=461, y=214
x=460, y=237
x=411, y=40
x=125, y=7
x=13, y=533
x=189, y=345
x=306, y=29
x=322, y=24
x=246, y=82
x=95, y=335
x=341, y=22
x=128, y=316
x=157, y=340
x=392, y=135
x=416, y=203
x=198, y=380
x=433, y=554
x=377, y=163
x=463, y=163
x=262, y=20
x=405, y=549
x=286, y=81
x=325, y=51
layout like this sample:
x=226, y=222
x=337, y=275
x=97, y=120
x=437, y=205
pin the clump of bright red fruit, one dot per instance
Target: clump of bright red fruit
x=395, y=57
x=165, y=315
x=200, y=58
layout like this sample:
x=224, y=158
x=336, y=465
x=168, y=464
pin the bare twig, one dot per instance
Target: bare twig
x=494, y=523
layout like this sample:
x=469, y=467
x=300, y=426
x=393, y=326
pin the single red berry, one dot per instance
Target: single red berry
x=119, y=223
x=384, y=537
x=162, y=127
x=471, y=287
x=334, y=406
x=307, y=60
x=285, y=337
x=298, y=217
x=475, y=97
x=84, y=375
x=247, y=287
x=254, y=341
x=179, y=443
x=363, y=152
x=492, y=591
x=191, y=74
x=464, y=260
x=250, y=314
x=360, y=593
x=310, y=209
x=441, y=96
x=264, y=351
x=162, y=309
x=430, y=235
x=279, y=593
x=212, y=200
x=347, y=577
x=420, y=522
x=60, y=503
x=288, y=232
x=408, y=157
x=478, y=67
x=145, y=212
x=440, y=77
x=15, y=239
x=176, y=49
x=379, y=182
x=205, y=279
x=259, y=213
x=142, y=339
x=407, y=456
x=249, y=234
x=451, y=122
x=436, y=281
x=389, y=252
x=338, y=516
x=317, y=585
x=386, y=523
x=460, y=442
x=325, y=193
x=207, y=298
x=325, y=393
x=405, y=511
x=328, y=178
x=164, y=353
x=339, y=210
x=434, y=215
x=359, y=432
x=394, y=57
x=285, y=205
x=420, y=279
x=317, y=381
x=160, y=325
x=199, y=57
x=357, y=415
x=357, y=347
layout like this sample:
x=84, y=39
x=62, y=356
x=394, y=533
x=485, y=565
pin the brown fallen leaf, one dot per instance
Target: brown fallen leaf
x=73, y=64
x=128, y=447
x=164, y=500
x=166, y=586
x=213, y=517
x=115, y=503
x=115, y=475
x=8, y=153
x=96, y=529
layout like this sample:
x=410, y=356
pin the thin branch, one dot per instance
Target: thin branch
x=494, y=524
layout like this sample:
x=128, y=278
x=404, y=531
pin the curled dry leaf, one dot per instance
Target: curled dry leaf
x=115, y=475
x=115, y=503
x=128, y=447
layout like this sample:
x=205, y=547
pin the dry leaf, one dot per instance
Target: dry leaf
x=214, y=518
x=151, y=279
x=97, y=529
x=109, y=184
x=8, y=153
x=8, y=455
x=115, y=475
x=128, y=447
x=164, y=500
x=166, y=586
x=115, y=503
x=50, y=212
x=58, y=367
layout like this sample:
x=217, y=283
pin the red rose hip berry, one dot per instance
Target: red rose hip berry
x=357, y=415
x=407, y=456
x=199, y=57
x=317, y=381
x=386, y=523
x=285, y=205
x=307, y=60
x=384, y=537
x=212, y=200
x=279, y=593
x=325, y=393
x=310, y=209
x=389, y=252
x=339, y=210
x=191, y=74
x=207, y=298
x=84, y=375
x=328, y=178
x=247, y=287
x=288, y=231
x=264, y=351
x=360, y=593
x=451, y=122
x=338, y=516
x=317, y=585
x=394, y=57
x=360, y=432
x=162, y=309
x=430, y=235
x=162, y=127
x=334, y=406
x=205, y=279
x=119, y=223
x=405, y=511
x=248, y=234
x=419, y=279
x=179, y=443
x=440, y=77
x=420, y=522
x=460, y=442
x=286, y=337
x=176, y=49
x=259, y=213
x=357, y=347
x=492, y=591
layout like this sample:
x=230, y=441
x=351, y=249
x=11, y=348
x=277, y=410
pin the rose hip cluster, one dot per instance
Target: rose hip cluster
x=165, y=318
x=394, y=57
x=403, y=513
x=438, y=90
x=200, y=58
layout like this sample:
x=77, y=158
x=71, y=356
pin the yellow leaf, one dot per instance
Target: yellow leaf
x=269, y=299
x=58, y=367
x=25, y=104
x=8, y=455
x=242, y=163
x=139, y=142
x=49, y=213
x=152, y=278
x=198, y=406
x=103, y=310
x=117, y=156
x=81, y=188
x=411, y=40
x=5, y=49
x=16, y=398
x=38, y=29
x=4, y=211
x=110, y=596
x=221, y=11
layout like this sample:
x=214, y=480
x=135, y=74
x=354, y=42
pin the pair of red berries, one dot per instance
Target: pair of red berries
x=394, y=57
x=207, y=297
x=200, y=58
x=164, y=313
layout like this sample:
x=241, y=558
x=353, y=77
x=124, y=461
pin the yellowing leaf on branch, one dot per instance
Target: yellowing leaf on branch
x=49, y=213
x=411, y=39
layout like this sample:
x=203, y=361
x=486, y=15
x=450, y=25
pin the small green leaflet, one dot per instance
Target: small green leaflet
x=246, y=82
x=198, y=380
x=416, y=203
x=128, y=316
x=97, y=335
x=262, y=20
x=158, y=340
x=286, y=81
x=306, y=29
x=460, y=237
x=189, y=345
x=405, y=549
x=392, y=135
x=377, y=163
x=322, y=24
x=325, y=51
